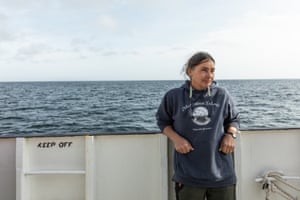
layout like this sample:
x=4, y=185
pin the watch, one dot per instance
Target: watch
x=234, y=135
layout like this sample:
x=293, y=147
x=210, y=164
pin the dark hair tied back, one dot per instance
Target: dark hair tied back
x=197, y=59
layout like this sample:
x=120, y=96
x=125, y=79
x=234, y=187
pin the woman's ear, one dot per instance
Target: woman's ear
x=189, y=73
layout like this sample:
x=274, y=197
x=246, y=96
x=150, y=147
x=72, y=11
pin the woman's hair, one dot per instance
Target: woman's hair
x=196, y=59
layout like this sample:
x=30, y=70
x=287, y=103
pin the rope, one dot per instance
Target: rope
x=280, y=179
x=282, y=192
x=270, y=186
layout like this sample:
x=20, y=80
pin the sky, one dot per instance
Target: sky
x=95, y=40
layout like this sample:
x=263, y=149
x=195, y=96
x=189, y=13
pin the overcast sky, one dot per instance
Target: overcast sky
x=70, y=40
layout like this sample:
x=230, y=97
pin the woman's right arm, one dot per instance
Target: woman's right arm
x=181, y=145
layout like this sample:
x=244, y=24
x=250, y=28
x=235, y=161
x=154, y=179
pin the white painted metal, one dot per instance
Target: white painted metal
x=130, y=167
x=21, y=162
x=51, y=168
x=53, y=172
x=92, y=167
x=7, y=169
x=263, y=151
x=90, y=188
x=260, y=179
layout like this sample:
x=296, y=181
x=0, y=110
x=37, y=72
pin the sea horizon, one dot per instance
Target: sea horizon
x=64, y=107
x=126, y=80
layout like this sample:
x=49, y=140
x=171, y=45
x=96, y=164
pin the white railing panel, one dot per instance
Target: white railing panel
x=131, y=167
x=51, y=168
x=263, y=151
x=7, y=169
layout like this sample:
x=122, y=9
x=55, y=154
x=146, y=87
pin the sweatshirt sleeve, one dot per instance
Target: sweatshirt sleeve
x=164, y=113
x=232, y=116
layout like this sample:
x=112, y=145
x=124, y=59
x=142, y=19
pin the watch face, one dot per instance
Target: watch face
x=233, y=134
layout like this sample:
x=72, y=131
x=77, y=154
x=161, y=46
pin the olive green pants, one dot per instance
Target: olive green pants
x=184, y=192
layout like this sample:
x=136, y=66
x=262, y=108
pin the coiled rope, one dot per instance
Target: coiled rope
x=270, y=185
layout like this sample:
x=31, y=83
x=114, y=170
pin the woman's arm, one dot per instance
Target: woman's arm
x=181, y=144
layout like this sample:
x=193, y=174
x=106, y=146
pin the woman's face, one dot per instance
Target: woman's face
x=202, y=75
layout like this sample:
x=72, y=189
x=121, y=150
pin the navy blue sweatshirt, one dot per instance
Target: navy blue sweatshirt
x=203, y=120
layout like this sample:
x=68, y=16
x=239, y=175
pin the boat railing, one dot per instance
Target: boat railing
x=137, y=166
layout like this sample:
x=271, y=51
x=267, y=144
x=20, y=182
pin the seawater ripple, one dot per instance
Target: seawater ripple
x=130, y=106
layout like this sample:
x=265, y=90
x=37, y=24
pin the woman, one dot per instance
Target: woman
x=202, y=122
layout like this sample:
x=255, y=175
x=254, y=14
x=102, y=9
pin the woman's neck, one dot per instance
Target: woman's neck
x=198, y=87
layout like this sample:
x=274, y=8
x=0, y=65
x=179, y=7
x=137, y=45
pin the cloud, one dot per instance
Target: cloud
x=108, y=22
x=5, y=32
x=259, y=32
x=5, y=35
x=120, y=53
x=257, y=44
x=33, y=51
x=126, y=33
x=66, y=5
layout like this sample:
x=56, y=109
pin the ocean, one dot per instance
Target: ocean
x=130, y=106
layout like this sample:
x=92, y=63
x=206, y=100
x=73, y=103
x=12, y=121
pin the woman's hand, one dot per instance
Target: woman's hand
x=182, y=145
x=227, y=144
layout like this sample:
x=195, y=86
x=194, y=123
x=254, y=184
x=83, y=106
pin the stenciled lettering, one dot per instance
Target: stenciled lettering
x=46, y=144
x=62, y=144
